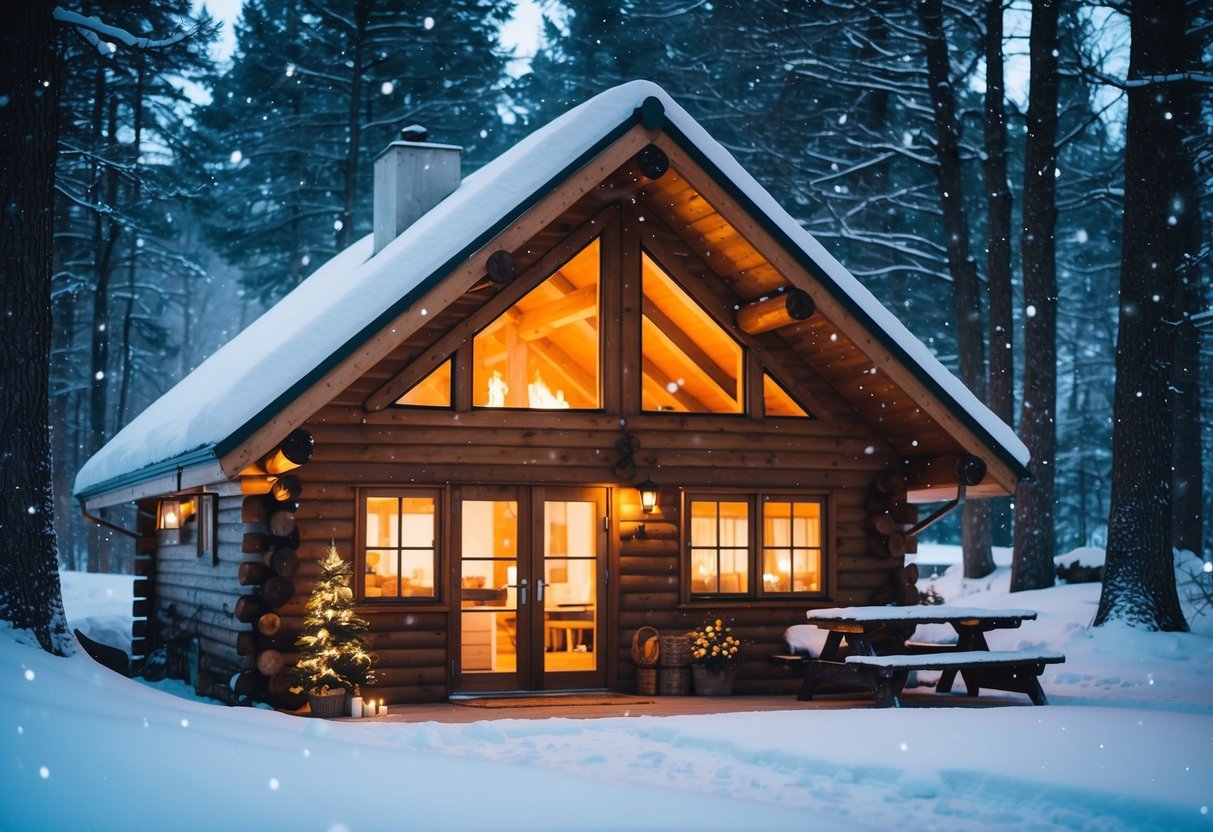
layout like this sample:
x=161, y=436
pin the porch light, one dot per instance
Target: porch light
x=648, y=496
x=168, y=515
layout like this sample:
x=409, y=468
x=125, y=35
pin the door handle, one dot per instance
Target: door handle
x=539, y=591
x=522, y=593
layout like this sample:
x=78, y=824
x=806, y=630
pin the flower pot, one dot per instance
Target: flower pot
x=709, y=683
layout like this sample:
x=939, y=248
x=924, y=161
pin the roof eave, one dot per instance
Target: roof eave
x=196, y=468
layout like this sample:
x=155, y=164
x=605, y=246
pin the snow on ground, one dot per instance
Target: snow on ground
x=1123, y=746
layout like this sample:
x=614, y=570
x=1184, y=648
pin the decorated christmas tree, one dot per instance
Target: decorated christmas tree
x=333, y=639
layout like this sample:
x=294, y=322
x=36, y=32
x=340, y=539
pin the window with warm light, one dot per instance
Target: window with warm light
x=690, y=363
x=791, y=545
x=432, y=391
x=720, y=546
x=776, y=401
x=399, y=546
x=544, y=352
x=728, y=554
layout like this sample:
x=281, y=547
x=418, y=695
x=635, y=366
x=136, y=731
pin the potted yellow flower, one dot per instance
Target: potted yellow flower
x=715, y=655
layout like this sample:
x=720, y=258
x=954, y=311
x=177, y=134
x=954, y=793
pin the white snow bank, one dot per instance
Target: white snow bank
x=1124, y=746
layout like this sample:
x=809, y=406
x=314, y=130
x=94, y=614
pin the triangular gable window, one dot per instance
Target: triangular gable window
x=690, y=363
x=778, y=402
x=543, y=352
x=432, y=391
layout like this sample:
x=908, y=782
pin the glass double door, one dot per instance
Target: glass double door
x=530, y=566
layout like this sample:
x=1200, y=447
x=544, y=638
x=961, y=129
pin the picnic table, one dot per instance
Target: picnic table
x=885, y=674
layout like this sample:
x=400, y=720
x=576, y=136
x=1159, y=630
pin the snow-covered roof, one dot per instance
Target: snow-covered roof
x=237, y=390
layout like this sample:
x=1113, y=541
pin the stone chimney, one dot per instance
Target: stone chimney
x=411, y=177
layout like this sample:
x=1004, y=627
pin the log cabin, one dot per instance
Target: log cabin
x=602, y=383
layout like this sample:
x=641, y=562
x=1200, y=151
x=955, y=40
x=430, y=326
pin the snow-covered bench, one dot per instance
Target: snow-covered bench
x=1013, y=670
x=884, y=671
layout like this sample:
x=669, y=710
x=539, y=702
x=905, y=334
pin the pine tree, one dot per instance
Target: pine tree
x=315, y=91
x=333, y=640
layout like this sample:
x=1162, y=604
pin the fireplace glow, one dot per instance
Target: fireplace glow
x=539, y=395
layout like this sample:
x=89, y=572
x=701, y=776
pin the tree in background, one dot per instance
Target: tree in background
x=121, y=218
x=1188, y=480
x=1032, y=567
x=30, y=595
x=966, y=291
x=1139, y=575
x=315, y=91
x=30, y=72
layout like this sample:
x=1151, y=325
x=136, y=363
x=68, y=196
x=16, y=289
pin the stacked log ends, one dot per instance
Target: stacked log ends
x=889, y=519
x=272, y=537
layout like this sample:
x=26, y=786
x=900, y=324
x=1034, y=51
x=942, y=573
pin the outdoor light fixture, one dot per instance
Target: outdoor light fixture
x=648, y=496
x=168, y=515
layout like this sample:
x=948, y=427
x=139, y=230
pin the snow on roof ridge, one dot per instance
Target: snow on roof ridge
x=345, y=295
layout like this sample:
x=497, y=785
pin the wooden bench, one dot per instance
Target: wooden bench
x=1013, y=670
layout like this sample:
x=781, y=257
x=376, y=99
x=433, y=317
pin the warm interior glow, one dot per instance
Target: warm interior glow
x=400, y=533
x=690, y=363
x=544, y=351
x=720, y=546
x=539, y=395
x=778, y=402
x=432, y=391
x=791, y=536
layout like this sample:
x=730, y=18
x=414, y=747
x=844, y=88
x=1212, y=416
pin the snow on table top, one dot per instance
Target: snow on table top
x=942, y=612
x=232, y=390
x=958, y=658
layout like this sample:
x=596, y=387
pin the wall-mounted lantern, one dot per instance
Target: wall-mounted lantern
x=168, y=515
x=648, y=496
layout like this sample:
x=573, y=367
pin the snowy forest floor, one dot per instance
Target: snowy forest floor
x=1124, y=745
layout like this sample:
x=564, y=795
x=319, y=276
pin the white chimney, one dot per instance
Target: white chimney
x=411, y=177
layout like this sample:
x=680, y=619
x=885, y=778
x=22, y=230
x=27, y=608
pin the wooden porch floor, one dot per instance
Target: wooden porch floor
x=450, y=712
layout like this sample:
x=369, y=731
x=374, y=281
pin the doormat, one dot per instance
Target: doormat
x=561, y=701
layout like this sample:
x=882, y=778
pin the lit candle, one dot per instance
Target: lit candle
x=382, y=708
x=356, y=706
x=368, y=707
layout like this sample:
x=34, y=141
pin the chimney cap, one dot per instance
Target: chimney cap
x=414, y=133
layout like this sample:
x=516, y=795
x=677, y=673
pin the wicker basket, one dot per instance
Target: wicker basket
x=675, y=651
x=646, y=647
x=674, y=681
x=646, y=681
x=328, y=705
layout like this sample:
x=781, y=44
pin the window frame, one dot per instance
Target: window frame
x=441, y=517
x=755, y=499
x=467, y=378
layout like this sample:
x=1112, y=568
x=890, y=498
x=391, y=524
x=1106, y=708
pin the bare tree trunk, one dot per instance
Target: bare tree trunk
x=128, y=313
x=345, y=236
x=1187, y=465
x=1032, y=565
x=1001, y=392
x=978, y=559
x=30, y=594
x=1139, y=572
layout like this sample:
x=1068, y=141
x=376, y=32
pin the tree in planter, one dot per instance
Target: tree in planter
x=333, y=640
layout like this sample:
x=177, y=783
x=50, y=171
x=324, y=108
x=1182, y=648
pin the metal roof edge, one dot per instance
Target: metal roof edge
x=178, y=465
